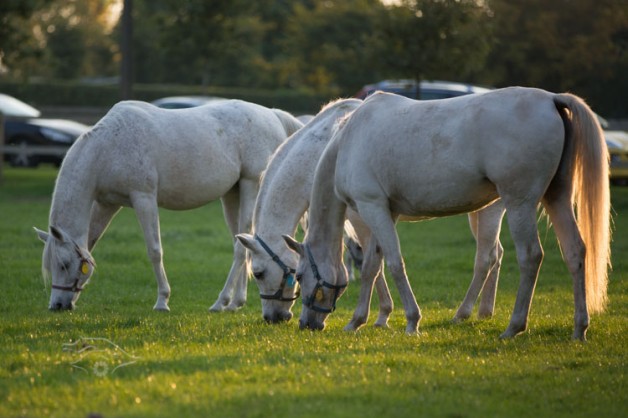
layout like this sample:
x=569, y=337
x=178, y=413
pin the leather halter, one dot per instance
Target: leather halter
x=75, y=286
x=320, y=283
x=287, y=279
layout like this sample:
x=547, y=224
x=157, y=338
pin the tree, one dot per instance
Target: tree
x=563, y=45
x=329, y=46
x=434, y=39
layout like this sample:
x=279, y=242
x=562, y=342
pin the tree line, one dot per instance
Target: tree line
x=329, y=46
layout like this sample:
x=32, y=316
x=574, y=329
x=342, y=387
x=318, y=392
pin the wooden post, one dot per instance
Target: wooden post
x=126, y=70
x=1, y=147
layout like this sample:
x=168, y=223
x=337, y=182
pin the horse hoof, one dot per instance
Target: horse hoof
x=579, y=336
x=218, y=306
x=485, y=315
x=232, y=307
x=350, y=327
x=161, y=307
x=381, y=324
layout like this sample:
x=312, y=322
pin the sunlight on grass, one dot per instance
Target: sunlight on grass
x=193, y=363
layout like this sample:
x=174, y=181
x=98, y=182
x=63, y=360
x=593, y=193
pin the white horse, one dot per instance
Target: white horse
x=281, y=203
x=395, y=156
x=145, y=157
x=283, y=199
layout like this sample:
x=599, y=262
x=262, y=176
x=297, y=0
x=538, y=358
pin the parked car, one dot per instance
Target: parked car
x=428, y=90
x=30, y=140
x=183, y=102
x=617, y=143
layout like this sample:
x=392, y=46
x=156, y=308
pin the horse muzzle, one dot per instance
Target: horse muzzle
x=61, y=306
x=277, y=317
x=311, y=320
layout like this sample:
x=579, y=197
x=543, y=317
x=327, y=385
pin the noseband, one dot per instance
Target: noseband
x=287, y=279
x=75, y=286
x=317, y=294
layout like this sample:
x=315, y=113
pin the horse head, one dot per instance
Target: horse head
x=275, y=279
x=69, y=265
x=322, y=284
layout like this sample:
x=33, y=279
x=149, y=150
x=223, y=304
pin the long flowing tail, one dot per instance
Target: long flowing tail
x=592, y=196
x=289, y=122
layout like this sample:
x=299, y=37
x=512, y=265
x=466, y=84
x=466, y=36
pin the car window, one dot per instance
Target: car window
x=10, y=106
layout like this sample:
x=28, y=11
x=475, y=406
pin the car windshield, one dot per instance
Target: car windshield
x=10, y=106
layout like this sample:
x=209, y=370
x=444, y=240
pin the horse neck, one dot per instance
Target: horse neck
x=277, y=216
x=327, y=212
x=72, y=200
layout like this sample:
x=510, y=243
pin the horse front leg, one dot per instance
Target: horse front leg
x=382, y=226
x=371, y=267
x=386, y=304
x=147, y=213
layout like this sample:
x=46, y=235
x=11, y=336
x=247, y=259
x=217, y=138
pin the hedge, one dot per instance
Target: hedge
x=58, y=93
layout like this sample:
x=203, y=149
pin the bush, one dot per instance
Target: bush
x=59, y=93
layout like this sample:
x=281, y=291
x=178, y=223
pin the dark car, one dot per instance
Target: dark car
x=30, y=140
x=184, y=102
x=427, y=90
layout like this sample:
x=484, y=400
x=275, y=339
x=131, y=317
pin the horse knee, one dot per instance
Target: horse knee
x=155, y=254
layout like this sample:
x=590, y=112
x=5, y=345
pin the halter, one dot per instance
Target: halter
x=75, y=286
x=320, y=283
x=287, y=279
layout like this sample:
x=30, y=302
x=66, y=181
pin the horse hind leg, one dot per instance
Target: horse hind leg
x=485, y=226
x=231, y=208
x=145, y=206
x=492, y=223
x=560, y=211
x=523, y=229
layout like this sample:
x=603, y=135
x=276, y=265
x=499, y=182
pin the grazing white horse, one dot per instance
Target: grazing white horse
x=145, y=157
x=395, y=156
x=283, y=199
x=281, y=203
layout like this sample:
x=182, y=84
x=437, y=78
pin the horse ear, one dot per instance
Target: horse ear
x=294, y=245
x=43, y=235
x=56, y=232
x=248, y=241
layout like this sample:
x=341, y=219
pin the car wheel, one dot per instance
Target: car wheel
x=23, y=158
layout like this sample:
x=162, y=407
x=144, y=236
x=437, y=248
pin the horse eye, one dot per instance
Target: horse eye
x=298, y=277
x=65, y=266
x=259, y=275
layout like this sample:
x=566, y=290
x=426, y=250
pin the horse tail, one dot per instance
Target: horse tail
x=289, y=122
x=589, y=162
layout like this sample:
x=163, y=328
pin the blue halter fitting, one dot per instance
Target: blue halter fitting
x=286, y=280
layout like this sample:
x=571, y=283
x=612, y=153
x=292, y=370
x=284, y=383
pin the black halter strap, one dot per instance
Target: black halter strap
x=320, y=283
x=287, y=279
x=75, y=286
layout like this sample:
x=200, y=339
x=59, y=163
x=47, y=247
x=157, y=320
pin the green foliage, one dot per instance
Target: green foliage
x=191, y=363
x=332, y=47
x=79, y=94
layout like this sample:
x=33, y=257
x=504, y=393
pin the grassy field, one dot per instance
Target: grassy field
x=193, y=363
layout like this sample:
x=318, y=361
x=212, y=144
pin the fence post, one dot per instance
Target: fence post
x=1, y=146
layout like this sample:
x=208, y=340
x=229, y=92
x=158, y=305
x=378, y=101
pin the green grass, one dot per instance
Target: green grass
x=192, y=363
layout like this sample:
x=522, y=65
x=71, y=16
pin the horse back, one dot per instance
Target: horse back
x=448, y=156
